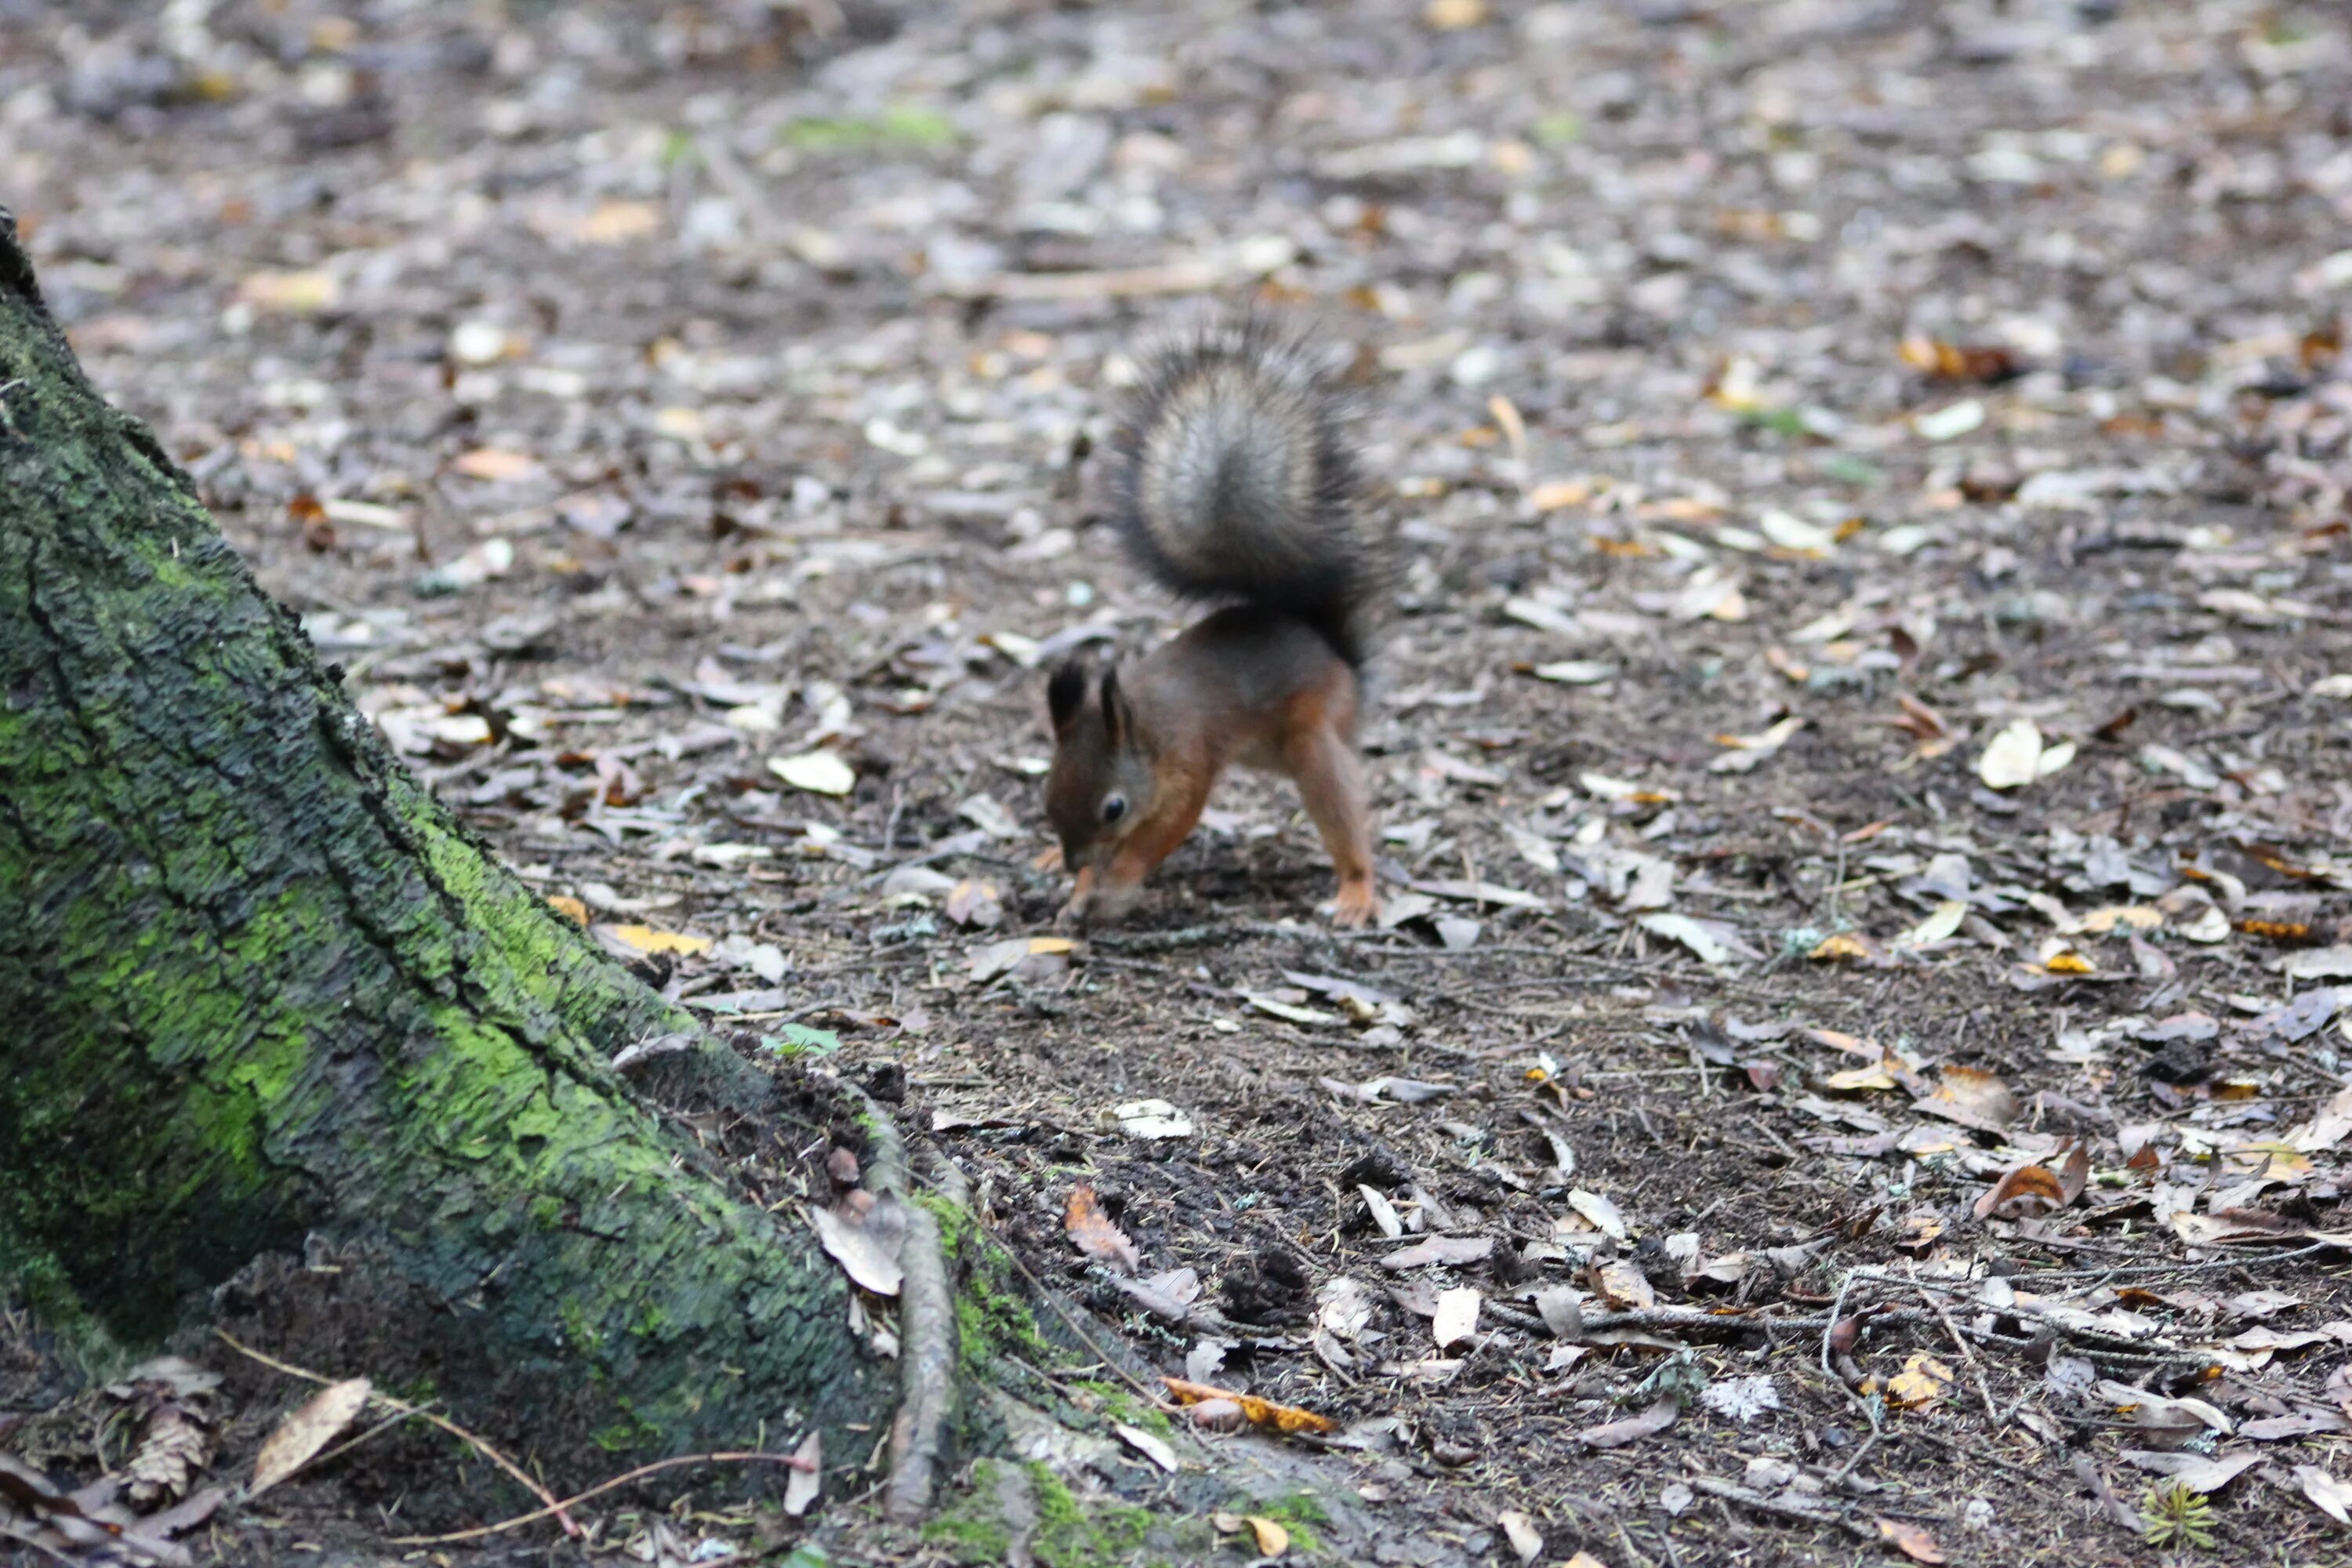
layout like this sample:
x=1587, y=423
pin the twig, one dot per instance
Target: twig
x=1861, y=1450
x=522, y=1477
x=340, y=1449
x=555, y=1509
x=1746, y=1498
x=1968, y=1353
x=1837, y=1310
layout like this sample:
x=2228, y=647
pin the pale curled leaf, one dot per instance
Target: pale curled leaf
x=2197, y=1472
x=868, y=1260
x=819, y=773
x=805, y=1480
x=2330, y=1496
x=1605, y=1216
x=1520, y=1532
x=1440, y=1249
x=1456, y=1318
x=307, y=1429
x=1155, y=1449
x=2017, y=756
x=1713, y=942
x=1151, y=1119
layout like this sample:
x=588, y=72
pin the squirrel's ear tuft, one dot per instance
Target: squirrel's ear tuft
x=1065, y=693
x=1114, y=709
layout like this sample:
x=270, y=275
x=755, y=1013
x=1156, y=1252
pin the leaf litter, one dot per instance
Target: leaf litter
x=1811, y=557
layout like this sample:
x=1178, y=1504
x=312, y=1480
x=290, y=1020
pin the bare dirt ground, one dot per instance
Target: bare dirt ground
x=1793, y=419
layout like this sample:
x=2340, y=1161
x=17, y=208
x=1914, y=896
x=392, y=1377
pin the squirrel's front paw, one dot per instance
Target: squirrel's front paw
x=1074, y=914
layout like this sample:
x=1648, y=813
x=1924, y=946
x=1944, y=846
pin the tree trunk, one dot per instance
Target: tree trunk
x=263, y=998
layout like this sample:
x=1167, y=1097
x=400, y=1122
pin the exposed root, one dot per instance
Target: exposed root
x=927, y=1348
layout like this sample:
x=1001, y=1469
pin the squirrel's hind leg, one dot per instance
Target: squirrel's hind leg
x=1331, y=778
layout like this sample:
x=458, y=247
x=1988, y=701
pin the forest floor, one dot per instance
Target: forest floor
x=1869, y=708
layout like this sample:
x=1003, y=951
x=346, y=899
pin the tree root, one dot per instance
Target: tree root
x=927, y=1348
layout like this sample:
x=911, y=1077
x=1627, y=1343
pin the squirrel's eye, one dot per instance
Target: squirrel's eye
x=1114, y=806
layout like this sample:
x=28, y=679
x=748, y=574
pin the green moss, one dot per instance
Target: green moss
x=992, y=1316
x=1119, y=1403
x=973, y=1540
x=617, y=1438
x=1301, y=1513
x=1065, y=1532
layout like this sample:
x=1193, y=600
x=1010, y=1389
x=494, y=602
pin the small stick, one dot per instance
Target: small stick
x=556, y=1510
x=481, y=1447
x=1968, y=1353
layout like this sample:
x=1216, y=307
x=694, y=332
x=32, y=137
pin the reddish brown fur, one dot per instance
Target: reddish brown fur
x=1244, y=686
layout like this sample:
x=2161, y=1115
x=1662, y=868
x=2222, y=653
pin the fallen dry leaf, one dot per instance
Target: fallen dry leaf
x=1748, y=751
x=2197, y=1472
x=1001, y=958
x=1272, y=1539
x=309, y=1428
x=645, y=939
x=1153, y=1448
x=1440, y=1249
x=1973, y=1098
x=1093, y=1233
x=2016, y=757
x=1457, y=1316
x=2032, y=1190
x=1520, y=1532
x=2330, y=1496
x=1910, y=1539
x=819, y=773
x=805, y=1480
x=1262, y=1412
x=1633, y=1428
x=1922, y=1382
x=615, y=222
x=291, y=293
x=863, y=1253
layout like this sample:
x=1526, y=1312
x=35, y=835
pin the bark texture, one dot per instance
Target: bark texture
x=260, y=996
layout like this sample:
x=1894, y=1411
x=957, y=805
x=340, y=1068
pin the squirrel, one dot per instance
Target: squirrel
x=1232, y=476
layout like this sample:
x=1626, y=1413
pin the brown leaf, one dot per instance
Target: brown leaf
x=1633, y=1428
x=1621, y=1286
x=1910, y=1539
x=305, y=1431
x=1973, y=1098
x=1261, y=1413
x=2032, y=1190
x=1092, y=1232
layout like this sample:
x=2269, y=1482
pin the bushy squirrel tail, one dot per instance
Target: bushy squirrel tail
x=1234, y=476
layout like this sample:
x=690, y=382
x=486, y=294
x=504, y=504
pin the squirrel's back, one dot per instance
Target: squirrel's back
x=1235, y=476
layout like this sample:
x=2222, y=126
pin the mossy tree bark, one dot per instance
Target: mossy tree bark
x=259, y=994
